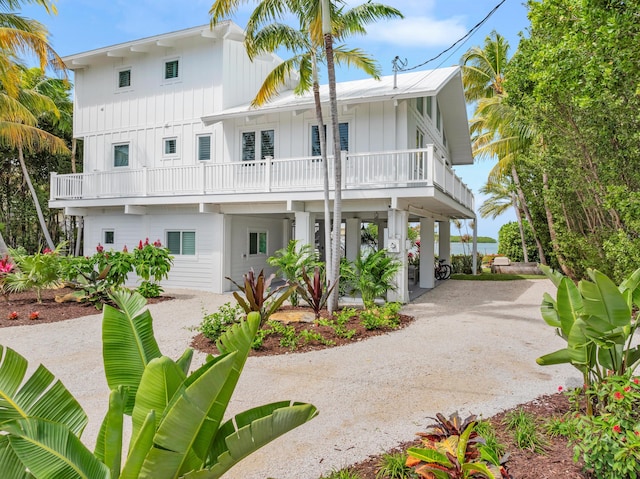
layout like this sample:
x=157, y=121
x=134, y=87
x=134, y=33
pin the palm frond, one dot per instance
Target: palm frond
x=276, y=79
x=356, y=57
x=352, y=21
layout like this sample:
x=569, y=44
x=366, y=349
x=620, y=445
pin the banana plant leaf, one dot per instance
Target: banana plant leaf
x=139, y=448
x=39, y=396
x=569, y=305
x=11, y=466
x=564, y=356
x=553, y=275
x=128, y=343
x=549, y=311
x=109, y=442
x=632, y=284
x=51, y=451
x=602, y=298
x=249, y=431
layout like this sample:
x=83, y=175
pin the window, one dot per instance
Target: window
x=249, y=147
x=420, y=105
x=204, y=148
x=343, y=129
x=438, y=118
x=170, y=146
x=124, y=78
x=257, y=242
x=171, y=70
x=121, y=155
x=181, y=242
x=419, y=139
x=109, y=237
x=429, y=106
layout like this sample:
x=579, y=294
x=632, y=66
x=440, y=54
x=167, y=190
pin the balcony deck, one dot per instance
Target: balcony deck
x=372, y=171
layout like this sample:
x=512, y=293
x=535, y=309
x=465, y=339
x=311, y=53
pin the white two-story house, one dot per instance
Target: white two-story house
x=173, y=151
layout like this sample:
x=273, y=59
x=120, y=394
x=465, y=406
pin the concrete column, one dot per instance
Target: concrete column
x=396, y=244
x=444, y=242
x=427, y=252
x=225, y=258
x=305, y=227
x=381, y=224
x=352, y=238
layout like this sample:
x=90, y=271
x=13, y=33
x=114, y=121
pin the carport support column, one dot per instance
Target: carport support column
x=444, y=240
x=305, y=228
x=352, y=238
x=396, y=244
x=427, y=252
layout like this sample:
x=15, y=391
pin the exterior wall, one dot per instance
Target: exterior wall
x=200, y=271
x=426, y=124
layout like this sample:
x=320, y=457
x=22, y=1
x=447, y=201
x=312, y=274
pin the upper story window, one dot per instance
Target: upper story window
x=263, y=141
x=124, y=78
x=420, y=105
x=438, y=118
x=204, y=147
x=170, y=146
x=171, y=70
x=121, y=155
x=343, y=129
x=430, y=106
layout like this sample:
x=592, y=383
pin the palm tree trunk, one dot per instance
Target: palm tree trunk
x=552, y=229
x=337, y=162
x=36, y=203
x=4, y=250
x=527, y=213
x=325, y=170
x=525, y=253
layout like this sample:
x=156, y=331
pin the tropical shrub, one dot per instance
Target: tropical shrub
x=510, y=242
x=257, y=294
x=38, y=271
x=598, y=320
x=6, y=266
x=177, y=419
x=461, y=263
x=347, y=282
x=215, y=324
x=525, y=431
x=315, y=292
x=374, y=275
x=292, y=261
x=393, y=466
x=381, y=317
x=339, y=323
x=151, y=261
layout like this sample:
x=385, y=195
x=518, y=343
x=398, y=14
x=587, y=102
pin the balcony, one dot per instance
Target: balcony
x=372, y=171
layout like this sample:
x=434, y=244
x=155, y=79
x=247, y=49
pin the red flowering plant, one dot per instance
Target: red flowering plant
x=34, y=315
x=12, y=315
x=152, y=263
x=6, y=267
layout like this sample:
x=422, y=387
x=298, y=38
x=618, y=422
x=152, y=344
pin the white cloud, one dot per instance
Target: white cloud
x=417, y=31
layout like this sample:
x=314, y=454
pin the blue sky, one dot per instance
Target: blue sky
x=429, y=27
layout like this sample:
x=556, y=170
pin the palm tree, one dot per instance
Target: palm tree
x=20, y=105
x=319, y=21
x=494, y=127
x=502, y=196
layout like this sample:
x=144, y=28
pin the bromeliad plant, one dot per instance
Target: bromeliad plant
x=598, y=320
x=177, y=418
x=257, y=292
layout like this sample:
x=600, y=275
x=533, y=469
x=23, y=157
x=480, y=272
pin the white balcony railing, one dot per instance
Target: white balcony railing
x=390, y=169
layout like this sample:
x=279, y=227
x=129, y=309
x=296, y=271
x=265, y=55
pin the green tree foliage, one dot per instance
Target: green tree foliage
x=574, y=82
x=510, y=242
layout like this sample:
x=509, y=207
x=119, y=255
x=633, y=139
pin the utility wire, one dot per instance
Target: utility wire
x=462, y=39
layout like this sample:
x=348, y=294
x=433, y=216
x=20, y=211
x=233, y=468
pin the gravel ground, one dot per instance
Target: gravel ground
x=472, y=348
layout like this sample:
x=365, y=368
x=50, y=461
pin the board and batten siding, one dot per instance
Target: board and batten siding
x=200, y=271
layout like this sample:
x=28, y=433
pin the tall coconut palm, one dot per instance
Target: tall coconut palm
x=495, y=131
x=265, y=34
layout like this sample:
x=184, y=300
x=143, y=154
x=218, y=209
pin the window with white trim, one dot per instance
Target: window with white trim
x=181, y=242
x=171, y=69
x=429, y=106
x=438, y=118
x=121, y=155
x=420, y=105
x=253, y=141
x=109, y=237
x=204, y=147
x=257, y=242
x=170, y=147
x=124, y=78
x=343, y=129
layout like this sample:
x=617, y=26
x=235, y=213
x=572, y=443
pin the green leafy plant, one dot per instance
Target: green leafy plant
x=257, y=293
x=215, y=324
x=525, y=431
x=393, y=466
x=381, y=317
x=92, y=287
x=177, y=419
x=151, y=261
x=315, y=292
x=292, y=261
x=339, y=322
x=347, y=284
x=598, y=321
x=343, y=474
x=609, y=441
x=375, y=275
x=149, y=289
x=38, y=271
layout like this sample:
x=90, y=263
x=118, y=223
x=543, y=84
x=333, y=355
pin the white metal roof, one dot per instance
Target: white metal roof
x=445, y=83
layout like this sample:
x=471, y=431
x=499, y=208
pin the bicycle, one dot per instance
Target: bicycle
x=442, y=270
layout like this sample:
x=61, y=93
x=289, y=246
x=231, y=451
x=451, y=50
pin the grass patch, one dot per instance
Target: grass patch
x=495, y=277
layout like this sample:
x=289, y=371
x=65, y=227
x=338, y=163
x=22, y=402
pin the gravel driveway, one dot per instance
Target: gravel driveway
x=472, y=348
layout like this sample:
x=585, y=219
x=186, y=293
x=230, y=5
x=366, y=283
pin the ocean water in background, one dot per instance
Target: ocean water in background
x=483, y=248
